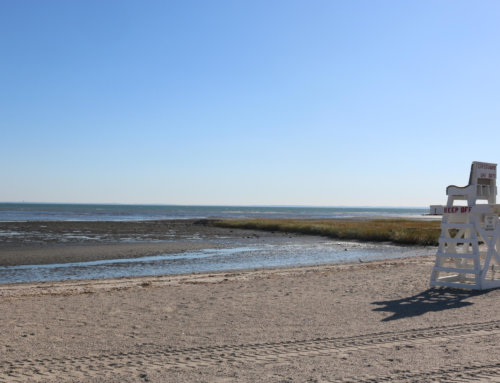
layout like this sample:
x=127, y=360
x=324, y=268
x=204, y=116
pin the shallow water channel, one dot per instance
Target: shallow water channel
x=211, y=260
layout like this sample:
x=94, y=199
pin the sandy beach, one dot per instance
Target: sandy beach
x=356, y=322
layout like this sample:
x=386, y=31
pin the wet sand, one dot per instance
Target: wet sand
x=23, y=243
x=358, y=322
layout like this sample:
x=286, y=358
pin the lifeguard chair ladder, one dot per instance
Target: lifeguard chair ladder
x=468, y=252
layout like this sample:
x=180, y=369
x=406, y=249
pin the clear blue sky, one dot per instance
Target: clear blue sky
x=246, y=102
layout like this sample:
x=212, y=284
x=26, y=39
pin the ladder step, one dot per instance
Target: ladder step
x=454, y=270
x=457, y=240
x=454, y=284
x=456, y=255
x=457, y=225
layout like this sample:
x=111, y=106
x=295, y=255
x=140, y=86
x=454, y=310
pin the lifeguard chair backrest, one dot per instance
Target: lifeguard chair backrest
x=484, y=177
x=482, y=185
x=483, y=173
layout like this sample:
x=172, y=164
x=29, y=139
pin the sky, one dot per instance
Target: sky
x=282, y=102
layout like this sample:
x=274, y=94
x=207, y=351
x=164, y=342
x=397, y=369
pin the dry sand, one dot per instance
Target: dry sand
x=363, y=322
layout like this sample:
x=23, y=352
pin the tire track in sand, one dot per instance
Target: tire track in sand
x=455, y=374
x=136, y=363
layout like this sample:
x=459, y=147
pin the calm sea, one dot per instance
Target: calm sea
x=89, y=212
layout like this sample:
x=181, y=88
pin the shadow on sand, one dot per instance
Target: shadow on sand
x=427, y=301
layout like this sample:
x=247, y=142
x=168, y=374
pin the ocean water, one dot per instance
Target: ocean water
x=102, y=212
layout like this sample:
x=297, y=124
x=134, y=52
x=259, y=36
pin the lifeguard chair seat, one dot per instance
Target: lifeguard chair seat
x=482, y=185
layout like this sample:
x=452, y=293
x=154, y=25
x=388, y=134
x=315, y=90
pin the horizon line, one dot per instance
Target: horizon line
x=210, y=205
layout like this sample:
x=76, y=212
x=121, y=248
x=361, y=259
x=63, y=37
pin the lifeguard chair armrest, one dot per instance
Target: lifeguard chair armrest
x=463, y=187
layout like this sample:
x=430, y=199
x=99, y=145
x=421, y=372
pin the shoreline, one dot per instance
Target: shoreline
x=47, y=242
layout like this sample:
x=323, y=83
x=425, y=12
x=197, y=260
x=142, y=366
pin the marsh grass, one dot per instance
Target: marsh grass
x=399, y=231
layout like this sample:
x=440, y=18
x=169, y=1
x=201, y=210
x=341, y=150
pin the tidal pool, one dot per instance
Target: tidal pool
x=211, y=260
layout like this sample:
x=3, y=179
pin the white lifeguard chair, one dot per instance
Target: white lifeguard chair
x=469, y=245
x=482, y=185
